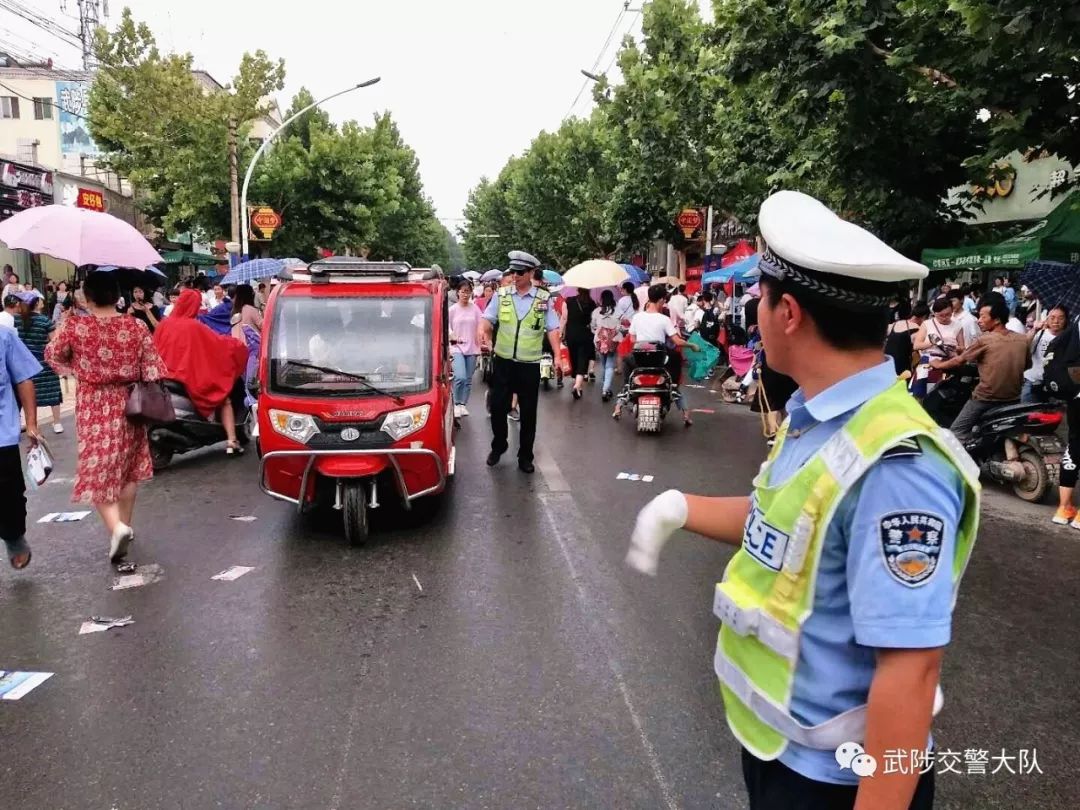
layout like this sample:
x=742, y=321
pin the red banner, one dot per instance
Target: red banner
x=88, y=198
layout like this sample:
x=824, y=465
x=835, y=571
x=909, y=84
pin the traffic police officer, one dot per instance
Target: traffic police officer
x=524, y=314
x=837, y=607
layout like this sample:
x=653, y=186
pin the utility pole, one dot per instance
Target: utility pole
x=234, y=182
x=91, y=15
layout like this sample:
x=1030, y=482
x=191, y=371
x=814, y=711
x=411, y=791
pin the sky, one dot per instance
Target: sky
x=469, y=82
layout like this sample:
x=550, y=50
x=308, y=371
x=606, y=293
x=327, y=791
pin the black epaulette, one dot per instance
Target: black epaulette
x=908, y=448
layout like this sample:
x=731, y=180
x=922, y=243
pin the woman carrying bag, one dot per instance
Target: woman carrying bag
x=607, y=334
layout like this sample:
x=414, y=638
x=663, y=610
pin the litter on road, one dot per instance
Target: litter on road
x=63, y=517
x=99, y=624
x=624, y=476
x=146, y=575
x=233, y=572
x=243, y=518
x=14, y=685
x=418, y=585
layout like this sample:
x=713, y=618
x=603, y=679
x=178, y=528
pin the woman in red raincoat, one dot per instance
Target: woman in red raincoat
x=205, y=363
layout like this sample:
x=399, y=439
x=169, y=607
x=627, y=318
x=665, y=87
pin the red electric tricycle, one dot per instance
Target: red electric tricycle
x=355, y=399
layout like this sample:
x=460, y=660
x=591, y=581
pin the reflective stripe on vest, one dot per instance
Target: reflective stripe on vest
x=768, y=587
x=521, y=339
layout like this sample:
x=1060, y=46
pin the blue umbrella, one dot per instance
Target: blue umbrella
x=108, y=268
x=1054, y=283
x=553, y=278
x=253, y=270
x=637, y=275
x=742, y=271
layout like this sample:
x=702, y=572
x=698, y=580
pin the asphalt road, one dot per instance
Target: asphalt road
x=532, y=669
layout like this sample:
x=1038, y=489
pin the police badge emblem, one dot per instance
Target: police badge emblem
x=911, y=545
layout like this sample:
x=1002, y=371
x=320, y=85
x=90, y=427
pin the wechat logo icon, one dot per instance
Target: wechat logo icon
x=852, y=755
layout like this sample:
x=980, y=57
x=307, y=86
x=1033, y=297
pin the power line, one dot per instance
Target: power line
x=596, y=62
x=44, y=23
x=625, y=34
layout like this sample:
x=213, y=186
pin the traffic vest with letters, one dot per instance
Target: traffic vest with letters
x=521, y=339
x=768, y=588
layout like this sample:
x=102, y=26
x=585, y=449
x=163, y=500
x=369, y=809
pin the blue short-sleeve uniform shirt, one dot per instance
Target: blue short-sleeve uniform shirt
x=522, y=304
x=17, y=365
x=860, y=603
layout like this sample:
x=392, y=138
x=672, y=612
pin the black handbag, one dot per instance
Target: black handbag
x=149, y=403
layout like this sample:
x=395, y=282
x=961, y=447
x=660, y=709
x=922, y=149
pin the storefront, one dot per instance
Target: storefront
x=23, y=187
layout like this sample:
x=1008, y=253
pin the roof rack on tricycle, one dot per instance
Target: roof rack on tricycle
x=354, y=388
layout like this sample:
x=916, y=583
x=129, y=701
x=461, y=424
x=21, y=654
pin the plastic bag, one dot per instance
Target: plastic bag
x=701, y=362
x=39, y=464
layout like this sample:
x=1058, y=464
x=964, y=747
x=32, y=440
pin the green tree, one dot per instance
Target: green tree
x=168, y=136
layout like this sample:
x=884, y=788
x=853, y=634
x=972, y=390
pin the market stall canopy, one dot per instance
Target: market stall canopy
x=187, y=257
x=742, y=271
x=1055, y=238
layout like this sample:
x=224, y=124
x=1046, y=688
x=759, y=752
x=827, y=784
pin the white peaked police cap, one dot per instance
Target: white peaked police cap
x=519, y=258
x=845, y=262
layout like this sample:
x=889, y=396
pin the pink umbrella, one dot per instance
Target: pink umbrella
x=78, y=236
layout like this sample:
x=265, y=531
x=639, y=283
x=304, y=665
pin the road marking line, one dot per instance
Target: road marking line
x=570, y=516
x=553, y=476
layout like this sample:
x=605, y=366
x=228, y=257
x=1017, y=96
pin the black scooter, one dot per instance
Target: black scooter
x=1016, y=445
x=649, y=390
x=190, y=431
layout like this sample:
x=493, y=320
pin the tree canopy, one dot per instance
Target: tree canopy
x=877, y=108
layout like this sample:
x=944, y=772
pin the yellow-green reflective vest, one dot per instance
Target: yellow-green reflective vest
x=521, y=339
x=763, y=610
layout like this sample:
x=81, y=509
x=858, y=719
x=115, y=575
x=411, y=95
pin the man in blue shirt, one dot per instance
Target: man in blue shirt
x=866, y=510
x=17, y=369
x=524, y=315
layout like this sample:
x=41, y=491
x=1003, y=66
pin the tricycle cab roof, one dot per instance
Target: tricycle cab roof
x=347, y=275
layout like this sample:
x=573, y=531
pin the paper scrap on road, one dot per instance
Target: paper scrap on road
x=622, y=476
x=243, y=518
x=694, y=386
x=63, y=517
x=635, y=477
x=418, y=585
x=233, y=572
x=648, y=479
x=146, y=575
x=99, y=624
x=14, y=685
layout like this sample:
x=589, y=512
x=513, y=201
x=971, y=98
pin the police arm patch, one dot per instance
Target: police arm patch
x=911, y=545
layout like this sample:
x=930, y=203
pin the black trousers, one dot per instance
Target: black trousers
x=1069, y=472
x=509, y=377
x=12, y=494
x=774, y=786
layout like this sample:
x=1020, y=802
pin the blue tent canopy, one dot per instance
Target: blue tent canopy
x=742, y=271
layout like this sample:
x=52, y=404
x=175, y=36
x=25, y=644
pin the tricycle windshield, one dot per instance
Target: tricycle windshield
x=352, y=347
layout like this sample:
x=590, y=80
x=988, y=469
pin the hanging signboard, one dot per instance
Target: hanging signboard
x=690, y=221
x=264, y=221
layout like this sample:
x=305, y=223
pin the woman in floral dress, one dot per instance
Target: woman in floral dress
x=106, y=353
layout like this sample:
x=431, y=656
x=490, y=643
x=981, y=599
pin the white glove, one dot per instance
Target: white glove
x=656, y=522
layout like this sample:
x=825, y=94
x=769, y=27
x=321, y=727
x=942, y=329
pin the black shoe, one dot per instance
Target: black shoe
x=577, y=394
x=606, y=396
x=493, y=458
x=526, y=467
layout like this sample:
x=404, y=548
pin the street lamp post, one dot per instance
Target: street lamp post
x=262, y=148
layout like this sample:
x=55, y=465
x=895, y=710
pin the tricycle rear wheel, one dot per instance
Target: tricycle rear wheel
x=355, y=512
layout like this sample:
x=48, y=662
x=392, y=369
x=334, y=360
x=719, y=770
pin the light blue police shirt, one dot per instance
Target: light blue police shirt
x=522, y=303
x=16, y=365
x=859, y=604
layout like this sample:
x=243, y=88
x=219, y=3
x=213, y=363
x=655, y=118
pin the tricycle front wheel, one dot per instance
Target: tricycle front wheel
x=355, y=512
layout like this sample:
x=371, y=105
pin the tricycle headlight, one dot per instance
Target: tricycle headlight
x=299, y=427
x=400, y=424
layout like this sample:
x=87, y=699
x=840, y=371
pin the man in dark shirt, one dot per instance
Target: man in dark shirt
x=710, y=323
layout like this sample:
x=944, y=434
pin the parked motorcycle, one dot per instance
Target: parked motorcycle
x=547, y=370
x=1016, y=445
x=190, y=430
x=649, y=390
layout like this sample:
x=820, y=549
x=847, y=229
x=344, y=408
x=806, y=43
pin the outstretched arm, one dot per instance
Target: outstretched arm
x=720, y=519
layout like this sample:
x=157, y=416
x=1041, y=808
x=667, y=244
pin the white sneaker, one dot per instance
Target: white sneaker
x=464, y=411
x=457, y=411
x=57, y=427
x=121, y=539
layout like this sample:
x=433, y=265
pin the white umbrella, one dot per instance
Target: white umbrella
x=595, y=273
x=79, y=236
x=672, y=280
x=492, y=275
x=472, y=275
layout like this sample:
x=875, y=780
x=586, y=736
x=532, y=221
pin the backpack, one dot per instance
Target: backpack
x=1061, y=364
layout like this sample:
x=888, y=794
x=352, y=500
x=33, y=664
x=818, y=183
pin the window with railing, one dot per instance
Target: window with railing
x=9, y=107
x=43, y=109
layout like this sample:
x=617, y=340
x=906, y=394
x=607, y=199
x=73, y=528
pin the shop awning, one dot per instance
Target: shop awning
x=1056, y=238
x=190, y=258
